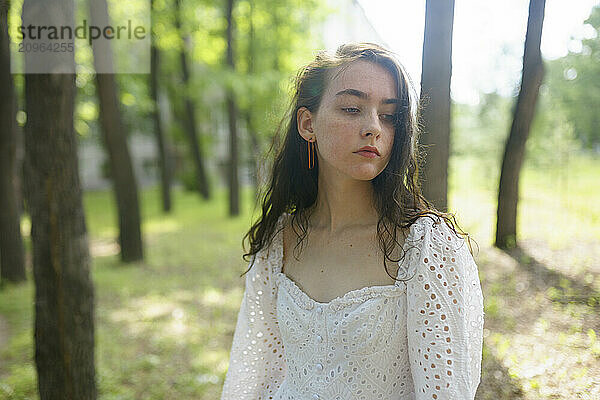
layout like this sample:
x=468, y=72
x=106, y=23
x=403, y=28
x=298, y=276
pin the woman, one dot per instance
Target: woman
x=331, y=321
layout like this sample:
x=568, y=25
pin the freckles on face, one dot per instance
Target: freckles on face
x=357, y=110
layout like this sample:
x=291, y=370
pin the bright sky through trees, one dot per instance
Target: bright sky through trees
x=488, y=38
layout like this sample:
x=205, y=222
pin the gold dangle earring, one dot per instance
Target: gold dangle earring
x=311, y=154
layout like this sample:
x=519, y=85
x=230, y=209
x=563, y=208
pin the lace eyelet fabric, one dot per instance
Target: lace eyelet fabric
x=421, y=339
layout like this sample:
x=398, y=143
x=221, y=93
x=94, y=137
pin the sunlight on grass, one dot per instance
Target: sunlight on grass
x=557, y=196
x=163, y=225
x=164, y=317
x=213, y=297
x=104, y=247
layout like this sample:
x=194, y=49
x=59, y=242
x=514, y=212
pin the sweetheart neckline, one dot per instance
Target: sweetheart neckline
x=344, y=297
x=353, y=292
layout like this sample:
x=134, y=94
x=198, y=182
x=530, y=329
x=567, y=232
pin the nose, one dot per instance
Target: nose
x=372, y=125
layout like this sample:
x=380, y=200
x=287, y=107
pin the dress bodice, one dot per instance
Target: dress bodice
x=326, y=342
x=419, y=339
x=353, y=347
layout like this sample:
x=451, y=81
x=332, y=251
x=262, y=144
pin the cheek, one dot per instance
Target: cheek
x=386, y=144
x=335, y=136
x=389, y=141
x=342, y=127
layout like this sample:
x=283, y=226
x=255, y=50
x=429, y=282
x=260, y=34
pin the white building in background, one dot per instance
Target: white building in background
x=347, y=23
x=93, y=159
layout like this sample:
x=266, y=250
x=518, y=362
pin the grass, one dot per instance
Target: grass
x=564, y=195
x=164, y=326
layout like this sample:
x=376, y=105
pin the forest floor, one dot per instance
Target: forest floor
x=3, y=332
x=164, y=326
x=541, y=321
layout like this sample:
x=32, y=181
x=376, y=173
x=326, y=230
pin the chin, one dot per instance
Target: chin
x=366, y=174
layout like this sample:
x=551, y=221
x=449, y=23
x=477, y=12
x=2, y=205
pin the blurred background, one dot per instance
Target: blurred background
x=166, y=167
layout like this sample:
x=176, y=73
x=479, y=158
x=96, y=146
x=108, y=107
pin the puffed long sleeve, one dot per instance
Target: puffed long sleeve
x=445, y=316
x=256, y=365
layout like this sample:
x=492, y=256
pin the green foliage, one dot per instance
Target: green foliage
x=479, y=131
x=271, y=40
x=573, y=84
x=566, y=119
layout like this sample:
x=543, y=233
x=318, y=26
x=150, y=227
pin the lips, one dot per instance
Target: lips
x=369, y=149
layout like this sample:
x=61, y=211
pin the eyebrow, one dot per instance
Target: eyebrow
x=363, y=95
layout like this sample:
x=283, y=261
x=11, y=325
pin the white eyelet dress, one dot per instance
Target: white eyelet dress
x=416, y=340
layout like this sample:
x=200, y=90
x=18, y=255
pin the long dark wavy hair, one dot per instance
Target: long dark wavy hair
x=293, y=187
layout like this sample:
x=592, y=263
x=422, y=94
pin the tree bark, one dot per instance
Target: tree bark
x=64, y=294
x=115, y=140
x=514, y=151
x=190, y=119
x=12, y=257
x=163, y=146
x=275, y=52
x=254, y=162
x=435, y=98
x=234, y=184
x=247, y=114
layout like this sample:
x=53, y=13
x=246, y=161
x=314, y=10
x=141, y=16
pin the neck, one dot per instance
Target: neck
x=343, y=203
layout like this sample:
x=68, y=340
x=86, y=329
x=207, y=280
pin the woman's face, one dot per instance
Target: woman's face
x=357, y=110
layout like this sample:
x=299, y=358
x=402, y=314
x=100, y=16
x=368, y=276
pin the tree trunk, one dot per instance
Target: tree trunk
x=275, y=51
x=190, y=119
x=12, y=257
x=254, y=163
x=64, y=294
x=255, y=154
x=234, y=184
x=514, y=151
x=435, y=97
x=64, y=298
x=114, y=135
x=19, y=159
x=163, y=146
